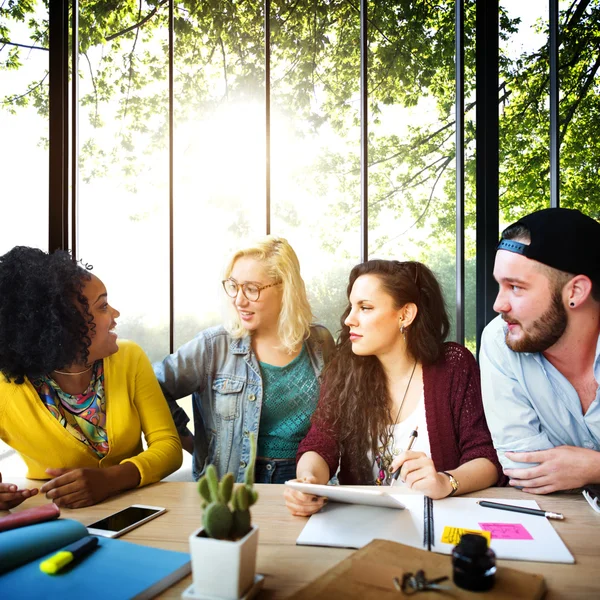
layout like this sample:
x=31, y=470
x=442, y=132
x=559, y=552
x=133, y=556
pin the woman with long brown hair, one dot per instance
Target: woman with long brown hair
x=393, y=373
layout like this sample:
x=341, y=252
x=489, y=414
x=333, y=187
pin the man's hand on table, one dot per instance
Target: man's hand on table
x=559, y=468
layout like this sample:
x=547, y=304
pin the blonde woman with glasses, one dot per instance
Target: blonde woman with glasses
x=258, y=374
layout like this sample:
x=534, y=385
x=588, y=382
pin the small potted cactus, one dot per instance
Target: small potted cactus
x=224, y=549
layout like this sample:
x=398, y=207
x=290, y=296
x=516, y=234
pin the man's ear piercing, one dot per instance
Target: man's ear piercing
x=572, y=304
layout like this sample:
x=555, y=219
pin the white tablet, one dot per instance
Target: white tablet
x=339, y=493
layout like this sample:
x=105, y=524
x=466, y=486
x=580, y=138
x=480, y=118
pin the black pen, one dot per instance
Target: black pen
x=411, y=441
x=521, y=509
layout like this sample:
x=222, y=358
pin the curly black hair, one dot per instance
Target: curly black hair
x=44, y=316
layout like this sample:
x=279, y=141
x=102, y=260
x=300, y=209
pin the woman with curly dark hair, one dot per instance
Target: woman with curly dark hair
x=393, y=374
x=73, y=402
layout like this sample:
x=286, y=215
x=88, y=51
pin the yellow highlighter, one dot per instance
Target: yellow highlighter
x=68, y=555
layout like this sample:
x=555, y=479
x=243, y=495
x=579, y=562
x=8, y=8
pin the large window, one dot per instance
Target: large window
x=266, y=135
x=227, y=125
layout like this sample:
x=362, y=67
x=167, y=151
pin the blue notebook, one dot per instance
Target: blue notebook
x=116, y=569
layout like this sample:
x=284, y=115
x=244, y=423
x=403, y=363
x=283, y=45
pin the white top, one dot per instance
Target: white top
x=402, y=433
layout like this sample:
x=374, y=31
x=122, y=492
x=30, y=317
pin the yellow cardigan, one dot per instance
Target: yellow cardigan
x=134, y=404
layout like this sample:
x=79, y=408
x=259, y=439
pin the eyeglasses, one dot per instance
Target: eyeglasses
x=250, y=290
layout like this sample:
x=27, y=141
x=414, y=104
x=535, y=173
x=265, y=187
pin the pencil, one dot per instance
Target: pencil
x=521, y=509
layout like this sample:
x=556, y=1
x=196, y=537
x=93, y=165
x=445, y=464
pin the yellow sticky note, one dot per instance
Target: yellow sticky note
x=452, y=535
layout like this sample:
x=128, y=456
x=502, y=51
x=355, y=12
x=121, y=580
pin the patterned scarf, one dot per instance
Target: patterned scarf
x=82, y=415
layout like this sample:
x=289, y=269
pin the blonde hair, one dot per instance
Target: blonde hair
x=281, y=263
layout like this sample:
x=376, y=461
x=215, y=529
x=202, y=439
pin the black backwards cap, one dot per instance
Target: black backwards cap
x=562, y=238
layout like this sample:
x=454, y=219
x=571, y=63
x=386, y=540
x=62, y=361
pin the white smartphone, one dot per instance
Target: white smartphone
x=125, y=520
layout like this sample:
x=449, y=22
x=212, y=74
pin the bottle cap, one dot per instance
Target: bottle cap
x=472, y=544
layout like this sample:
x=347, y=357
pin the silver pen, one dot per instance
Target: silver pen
x=411, y=441
x=522, y=509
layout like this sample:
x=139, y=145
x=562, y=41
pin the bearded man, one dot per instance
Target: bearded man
x=540, y=359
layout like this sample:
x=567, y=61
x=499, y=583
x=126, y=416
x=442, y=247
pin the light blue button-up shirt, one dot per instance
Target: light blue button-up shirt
x=529, y=405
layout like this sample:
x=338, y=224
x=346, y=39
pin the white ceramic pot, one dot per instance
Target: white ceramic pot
x=223, y=569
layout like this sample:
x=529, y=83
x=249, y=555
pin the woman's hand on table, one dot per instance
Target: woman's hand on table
x=301, y=504
x=77, y=488
x=10, y=496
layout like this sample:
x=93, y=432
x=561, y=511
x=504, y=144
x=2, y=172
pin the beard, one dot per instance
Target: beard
x=544, y=332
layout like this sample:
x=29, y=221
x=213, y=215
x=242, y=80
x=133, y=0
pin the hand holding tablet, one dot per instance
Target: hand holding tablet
x=350, y=495
x=300, y=503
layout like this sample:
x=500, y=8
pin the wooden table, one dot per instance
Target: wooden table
x=289, y=567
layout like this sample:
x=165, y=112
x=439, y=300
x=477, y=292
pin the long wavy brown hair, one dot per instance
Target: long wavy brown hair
x=355, y=400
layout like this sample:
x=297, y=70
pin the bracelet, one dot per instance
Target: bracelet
x=453, y=483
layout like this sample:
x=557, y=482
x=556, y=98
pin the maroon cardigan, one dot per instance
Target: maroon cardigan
x=456, y=424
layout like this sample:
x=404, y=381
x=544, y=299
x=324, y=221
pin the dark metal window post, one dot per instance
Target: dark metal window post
x=268, y=113
x=460, y=168
x=74, y=124
x=554, y=120
x=487, y=160
x=58, y=178
x=364, y=132
x=171, y=177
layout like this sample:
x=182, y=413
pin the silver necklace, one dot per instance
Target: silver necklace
x=390, y=435
x=405, y=392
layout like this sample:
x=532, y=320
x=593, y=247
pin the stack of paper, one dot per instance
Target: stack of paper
x=514, y=536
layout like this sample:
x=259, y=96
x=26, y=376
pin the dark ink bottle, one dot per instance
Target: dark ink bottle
x=474, y=564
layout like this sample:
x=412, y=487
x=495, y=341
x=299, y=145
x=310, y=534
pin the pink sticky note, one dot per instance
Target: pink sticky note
x=506, y=531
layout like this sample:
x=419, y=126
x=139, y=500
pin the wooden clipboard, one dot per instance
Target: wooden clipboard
x=368, y=574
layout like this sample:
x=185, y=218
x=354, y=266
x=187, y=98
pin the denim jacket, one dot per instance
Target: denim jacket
x=223, y=376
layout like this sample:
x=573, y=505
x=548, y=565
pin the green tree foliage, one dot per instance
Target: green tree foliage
x=525, y=140
x=411, y=57
x=315, y=60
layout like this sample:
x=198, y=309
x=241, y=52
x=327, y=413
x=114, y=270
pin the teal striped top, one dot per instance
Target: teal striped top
x=290, y=396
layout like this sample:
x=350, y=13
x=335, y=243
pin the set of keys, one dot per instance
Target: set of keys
x=417, y=582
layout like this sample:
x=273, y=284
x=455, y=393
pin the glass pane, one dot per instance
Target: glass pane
x=524, y=109
x=24, y=125
x=412, y=206
x=579, y=106
x=124, y=162
x=315, y=145
x=470, y=296
x=219, y=152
